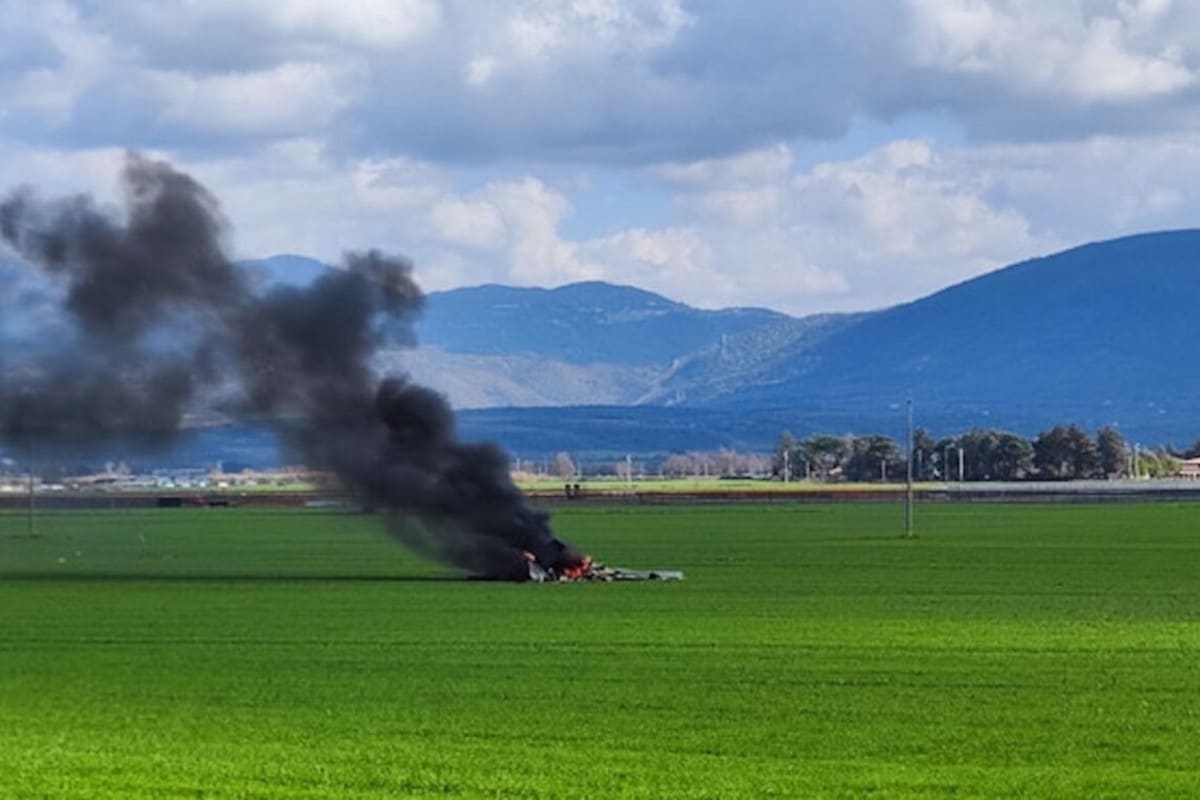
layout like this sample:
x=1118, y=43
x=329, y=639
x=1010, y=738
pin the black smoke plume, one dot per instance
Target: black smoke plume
x=163, y=325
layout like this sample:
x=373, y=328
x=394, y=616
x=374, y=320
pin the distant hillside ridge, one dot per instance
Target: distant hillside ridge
x=287, y=268
x=584, y=343
x=759, y=357
x=581, y=323
x=1101, y=334
x=1105, y=331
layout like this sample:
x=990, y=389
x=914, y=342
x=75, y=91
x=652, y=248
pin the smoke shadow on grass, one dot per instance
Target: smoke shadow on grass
x=158, y=577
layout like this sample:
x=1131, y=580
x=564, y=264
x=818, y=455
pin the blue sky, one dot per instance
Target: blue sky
x=808, y=156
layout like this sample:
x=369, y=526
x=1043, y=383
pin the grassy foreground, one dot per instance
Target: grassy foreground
x=1033, y=651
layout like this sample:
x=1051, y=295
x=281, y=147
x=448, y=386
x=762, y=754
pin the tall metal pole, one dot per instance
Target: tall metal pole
x=32, y=496
x=908, y=489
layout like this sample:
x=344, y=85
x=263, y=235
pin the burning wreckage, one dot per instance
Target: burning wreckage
x=520, y=546
x=566, y=566
x=589, y=571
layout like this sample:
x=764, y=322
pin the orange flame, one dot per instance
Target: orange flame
x=577, y=572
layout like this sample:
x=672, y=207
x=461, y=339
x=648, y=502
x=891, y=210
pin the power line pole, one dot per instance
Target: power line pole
x=908, y=488
x=31, y=528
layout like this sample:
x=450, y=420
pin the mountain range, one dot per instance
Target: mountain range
x=1105, y=333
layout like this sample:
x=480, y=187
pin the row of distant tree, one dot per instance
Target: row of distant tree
x=724, y=462
x=1064, y=452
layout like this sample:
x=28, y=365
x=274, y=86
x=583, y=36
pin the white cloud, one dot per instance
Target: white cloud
x=479, y=71
x=55, y=172
x=737, y=171
x=588, y=81
x=468, y=223
x=897, y=222
x=532, y=213
x=911, y=203
x=1104, y=187
x=286, y=100
x=370, y=23
x=548, y=29
x=41, y=90
x=440, y=129
x=1120, y=53
x=748, y=208
x=374, y=24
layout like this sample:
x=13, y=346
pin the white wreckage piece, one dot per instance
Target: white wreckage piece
x=602, y=574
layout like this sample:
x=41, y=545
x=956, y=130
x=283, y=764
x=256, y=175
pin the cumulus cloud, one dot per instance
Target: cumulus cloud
x=1120, y=53
x=239, y=35
x=285, y=100
x=739, y=171
x=589, y=81
x=469, y=223
x=467, y=133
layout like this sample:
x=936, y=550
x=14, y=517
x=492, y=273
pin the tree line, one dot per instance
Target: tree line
x=1064, y=452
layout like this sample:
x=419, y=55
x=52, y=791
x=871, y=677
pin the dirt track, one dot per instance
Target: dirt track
x=1032, y=492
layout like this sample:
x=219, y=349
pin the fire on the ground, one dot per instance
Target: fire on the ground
x=585, y=569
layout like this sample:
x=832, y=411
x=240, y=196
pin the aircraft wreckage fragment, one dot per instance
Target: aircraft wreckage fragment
x=590, y=571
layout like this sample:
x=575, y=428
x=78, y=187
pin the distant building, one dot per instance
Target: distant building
x=1189, y=468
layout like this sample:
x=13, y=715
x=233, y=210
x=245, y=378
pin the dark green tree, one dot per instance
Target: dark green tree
x=1065, y=452
x=873, y=458
x=824, y=455
x=978, y=445
x=1193, y=451
x=988, y=455
x=1012, y=457
x=1112, y=452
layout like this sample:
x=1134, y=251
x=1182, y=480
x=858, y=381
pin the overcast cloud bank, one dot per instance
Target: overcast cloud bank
x=841, y=155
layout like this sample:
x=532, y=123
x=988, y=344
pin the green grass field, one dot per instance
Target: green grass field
x=1008, y=651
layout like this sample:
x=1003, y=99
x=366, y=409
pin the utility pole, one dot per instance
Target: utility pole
x=960, y=465
x=908, y=488
x=32, y=495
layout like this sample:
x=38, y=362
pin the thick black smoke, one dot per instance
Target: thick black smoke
x=164, y=325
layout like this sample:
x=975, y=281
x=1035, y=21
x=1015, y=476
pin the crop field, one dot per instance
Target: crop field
x=1036, y=651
